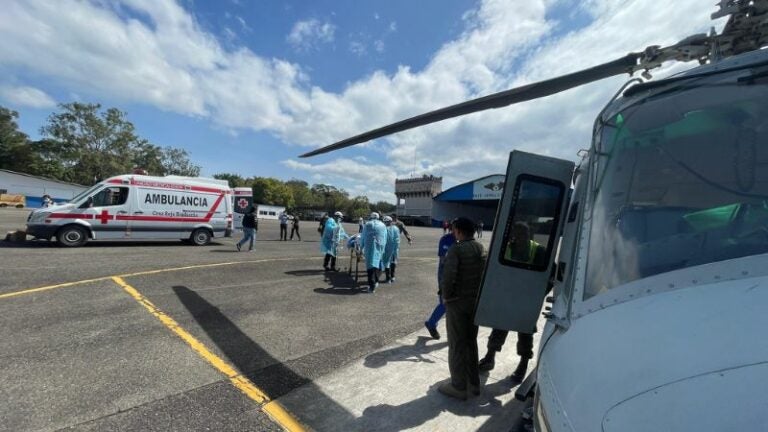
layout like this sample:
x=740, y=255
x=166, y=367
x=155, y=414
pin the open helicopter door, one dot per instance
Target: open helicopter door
x=524, y=242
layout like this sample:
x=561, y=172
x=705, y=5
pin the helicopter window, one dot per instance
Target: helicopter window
x=682, y=181
x=530, y=231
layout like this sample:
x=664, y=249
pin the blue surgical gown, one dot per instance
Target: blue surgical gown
x=392, y=248
x=333, y=233
x=374, y=242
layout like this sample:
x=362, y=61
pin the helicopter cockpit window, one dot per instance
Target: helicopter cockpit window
x=529, y=233
x=682, y=181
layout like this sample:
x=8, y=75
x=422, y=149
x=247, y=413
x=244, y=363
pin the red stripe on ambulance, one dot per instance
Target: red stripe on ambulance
x=104, y=216
x=69, y=216
x=166, y=185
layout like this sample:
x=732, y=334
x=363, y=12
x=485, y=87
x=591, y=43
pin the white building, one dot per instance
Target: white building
x=34, y=187
x=414, y=197
x=268, y=212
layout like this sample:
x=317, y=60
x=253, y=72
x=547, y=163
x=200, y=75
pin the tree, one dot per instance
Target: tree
x=302, y=195
x=91, y=145
x=16, y=154
x=383, y=207
x=332, y=197
x=233, y=179
x=47, y=162
x=148, y=157
x=359, y=207
x=176, y=162
x=272, y=191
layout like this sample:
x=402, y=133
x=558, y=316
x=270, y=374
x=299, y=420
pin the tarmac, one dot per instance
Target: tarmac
x=79, y=354
x=395, y=389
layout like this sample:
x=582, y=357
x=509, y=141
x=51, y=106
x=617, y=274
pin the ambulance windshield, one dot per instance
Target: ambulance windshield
x=681, y=180
x=86, y=193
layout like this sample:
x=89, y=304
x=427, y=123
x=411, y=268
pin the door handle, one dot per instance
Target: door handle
x=138, y=212
x=122, y=212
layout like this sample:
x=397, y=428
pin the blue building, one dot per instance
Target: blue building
x=476, y=200
x=33, y=188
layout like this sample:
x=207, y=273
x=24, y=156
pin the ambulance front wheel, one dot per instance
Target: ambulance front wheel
x=72, y=236
x=200, y=237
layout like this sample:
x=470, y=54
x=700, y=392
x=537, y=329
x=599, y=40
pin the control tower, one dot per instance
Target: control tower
x=414, y=198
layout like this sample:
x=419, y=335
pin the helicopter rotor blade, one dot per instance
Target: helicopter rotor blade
x=626, y=64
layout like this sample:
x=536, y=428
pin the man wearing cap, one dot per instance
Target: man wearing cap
x=391, y=249
x=374, y=241
x=462, y=273
x=333, y=233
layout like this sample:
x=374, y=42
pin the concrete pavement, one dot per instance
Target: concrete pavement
x=395, y=389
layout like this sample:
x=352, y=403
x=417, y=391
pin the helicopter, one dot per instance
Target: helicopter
x=656, y=242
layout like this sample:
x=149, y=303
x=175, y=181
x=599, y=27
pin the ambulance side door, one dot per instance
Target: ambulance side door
x=153, y=218
x=108, y=207
x=525, y=238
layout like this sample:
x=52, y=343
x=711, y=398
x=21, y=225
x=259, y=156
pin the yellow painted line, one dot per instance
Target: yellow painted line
x=143, y=273
x=242, y=383
x=150, y=272
x=282, y=417
x=50, y=287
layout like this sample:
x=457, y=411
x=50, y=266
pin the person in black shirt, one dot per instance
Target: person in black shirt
x=250, y=226
x=295, y=227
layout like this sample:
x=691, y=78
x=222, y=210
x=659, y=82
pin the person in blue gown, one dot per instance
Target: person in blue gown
x=391, y=249
x=374, y=242
x=333, y=234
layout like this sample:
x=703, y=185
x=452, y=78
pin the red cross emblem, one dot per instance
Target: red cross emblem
x=242, y=203
x=104, y=216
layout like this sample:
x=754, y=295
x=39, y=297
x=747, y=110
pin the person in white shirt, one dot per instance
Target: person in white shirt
x=283, y=218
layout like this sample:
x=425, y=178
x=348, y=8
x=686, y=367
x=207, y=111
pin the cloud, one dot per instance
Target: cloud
x=155, y=53
x=244, y=25
x=26, y=97
x=354, y=170
x=505, y=47
x=308, y=34
x=357, y=48
x=229, y=35
x=359, y=176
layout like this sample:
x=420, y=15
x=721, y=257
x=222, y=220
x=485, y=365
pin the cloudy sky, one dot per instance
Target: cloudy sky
x=247, y=85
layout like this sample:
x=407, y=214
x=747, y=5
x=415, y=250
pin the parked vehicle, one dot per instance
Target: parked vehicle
x=138, y=207
x=12, y=200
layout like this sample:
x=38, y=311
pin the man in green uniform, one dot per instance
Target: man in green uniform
x=460, y=284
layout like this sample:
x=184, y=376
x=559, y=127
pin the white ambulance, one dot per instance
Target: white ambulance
x=138, y=207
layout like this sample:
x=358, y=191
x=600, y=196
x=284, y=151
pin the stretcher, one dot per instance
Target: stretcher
x=355, y=246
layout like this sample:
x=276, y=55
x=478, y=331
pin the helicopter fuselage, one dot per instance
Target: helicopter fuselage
x=662, y=277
